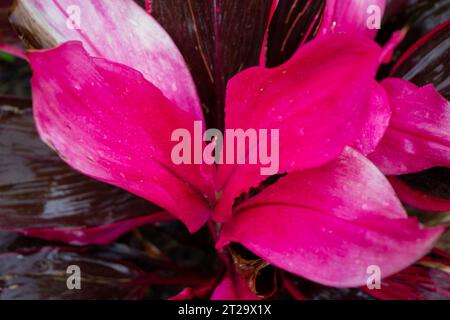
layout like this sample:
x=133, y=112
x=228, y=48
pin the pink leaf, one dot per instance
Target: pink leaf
x=100, y=235
x=233, y=287
x=318, y=101
x=119, y=31
x=330, y=224
x=418, y=136
x=199, y=292
x=352, y=17
x=108, y=122
x=377, y=121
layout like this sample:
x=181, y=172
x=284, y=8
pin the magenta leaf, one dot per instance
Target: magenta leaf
x=105, y=28
x=418, y=136
x=111, y=124
x=103, y=234
x=203, y=291
x=218, y=39
x=330, y=224
x=317, y=101
x=352, y=17
x=377, y=121
x=233, y=287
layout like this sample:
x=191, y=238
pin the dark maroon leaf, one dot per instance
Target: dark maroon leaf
x=10, y=241
x=190, y=258
x=165, y=277
x=14, y=79
x=302, y=289
x=434, y=182
x=429, y=279
x=294, y=23
x=395, y=8
x=43, y=275
x=420, y=16
x=186, y=250
x=427, y=61
x=15, y=101
x=218, y=38
x=37, y=190
x=7, y=34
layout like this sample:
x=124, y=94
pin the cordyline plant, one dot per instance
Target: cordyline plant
x=360, y=126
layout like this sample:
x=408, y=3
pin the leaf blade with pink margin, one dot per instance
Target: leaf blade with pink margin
x=314, y=124
x=418, y=137
x=293, y=24
x=100, y=120
x=347, y=219
x=425, y=61
x=428, y=279
x=418, y=198
x=42, y=197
